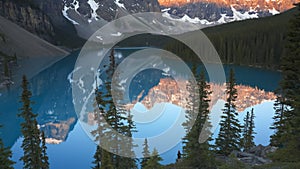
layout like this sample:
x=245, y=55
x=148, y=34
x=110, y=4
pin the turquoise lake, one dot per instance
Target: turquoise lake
x=52, y=96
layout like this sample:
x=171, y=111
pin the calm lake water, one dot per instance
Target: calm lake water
x=52, y=96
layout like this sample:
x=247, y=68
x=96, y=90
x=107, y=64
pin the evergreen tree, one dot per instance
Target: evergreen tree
x=199, y=155
x=106, y=160
x=153, y=162
x=31, y=143
x=15, y=59
x=97, y=158
x=6, y=69
x=102, y=158
x=287, y=117
x=230, y=129
x=128, y=162
x=280, y=122
x=248, y=131
x=44, y=157
x=193, y=102
x=111, y=117
x=146, y=153
x=5, y=155
x=245, y=130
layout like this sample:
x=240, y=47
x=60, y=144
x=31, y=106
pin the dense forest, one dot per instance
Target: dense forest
x=255, y=42
x=258, y=42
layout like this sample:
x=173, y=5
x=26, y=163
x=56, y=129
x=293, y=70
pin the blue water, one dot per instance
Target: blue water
x=52, y=95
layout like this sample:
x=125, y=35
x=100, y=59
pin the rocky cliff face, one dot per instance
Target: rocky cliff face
x=60, y=21
x=221, y=11
x=43, y=18
x=280, y=5
x=28, y=17
x=108, y=9
x=207, y=12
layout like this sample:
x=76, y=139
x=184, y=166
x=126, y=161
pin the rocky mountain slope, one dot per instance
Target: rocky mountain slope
x=279, y=5
x=223, y=11
x=203, y=11
x=29, y=18
x=23, y=52
x=42, y=18
x=60, y=21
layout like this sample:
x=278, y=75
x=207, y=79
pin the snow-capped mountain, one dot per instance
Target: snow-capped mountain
x=222, y=11
x=208, y=12
x=56, y=20
x=107, y=9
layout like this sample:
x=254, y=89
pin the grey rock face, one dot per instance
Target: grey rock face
x=209, y=11
x=256, y=156
x=29, y=18
x=107, y=9
x=41, y=17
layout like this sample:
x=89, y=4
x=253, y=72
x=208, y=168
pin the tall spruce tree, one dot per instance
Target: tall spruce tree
x=280, y=122
x=97, y=158
x=245, y=129
x=287, y=117
x=111, y=117
x=146, y=154
x=6, y=69
x=199, y=155
x=102, y=158
x=153, y=162
x=31, y=143
x=230, y=129
x=44, y=156
x=248, y=131
x=5, y=156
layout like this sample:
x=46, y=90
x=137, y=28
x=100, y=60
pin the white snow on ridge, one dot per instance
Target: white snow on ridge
x=72, y=8
x=94, y=5
x=117, y=2
x=165, y=10
x=65, y=14
x=222, y=19
x=273, y=11
x=237, y=16
x=186, y=18
x=65, y=11
x=76, y=4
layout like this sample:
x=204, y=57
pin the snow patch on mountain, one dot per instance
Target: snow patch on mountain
x=222, y=19
x=117, y=2
x=186, y=18
x=73, y=6
x=76, y=5
x=94, y=5
x=274, y=11
x=237, y=15
x=65, y=14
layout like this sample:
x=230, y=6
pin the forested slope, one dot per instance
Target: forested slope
x=258, y=42
x=255, y=42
